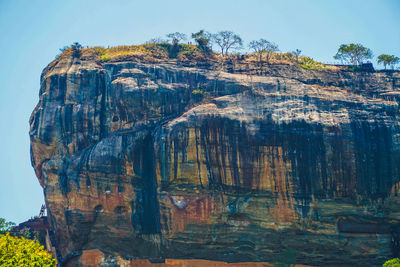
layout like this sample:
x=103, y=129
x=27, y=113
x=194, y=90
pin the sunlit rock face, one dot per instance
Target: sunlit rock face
x=154, y=161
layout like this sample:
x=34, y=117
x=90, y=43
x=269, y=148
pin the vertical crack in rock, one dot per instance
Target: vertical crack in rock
x=147, y=213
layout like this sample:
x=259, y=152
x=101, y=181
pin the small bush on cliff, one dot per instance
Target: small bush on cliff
x=311, y=64
x=199, y=92
x=16, y=251
x=392, y=263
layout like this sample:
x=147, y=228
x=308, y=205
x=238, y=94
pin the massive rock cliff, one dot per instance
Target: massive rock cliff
x=166, y=160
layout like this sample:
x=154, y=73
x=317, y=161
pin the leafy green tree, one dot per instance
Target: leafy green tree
x=5, y=226
x=203, y=39
x=76, y=46
x=392, y=263
x=227, y=40
x=76, y=49
x=388, y=60
x=15, y=251
x=354, y=54
x=263, y=46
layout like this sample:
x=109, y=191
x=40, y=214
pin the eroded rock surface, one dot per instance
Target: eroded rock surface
x=159, y=161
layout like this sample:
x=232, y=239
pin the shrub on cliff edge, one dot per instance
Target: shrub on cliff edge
x=310, y=64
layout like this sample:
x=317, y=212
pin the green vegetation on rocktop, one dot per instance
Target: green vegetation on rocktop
x=155, y=52
x=149, y=51
x=352, y=56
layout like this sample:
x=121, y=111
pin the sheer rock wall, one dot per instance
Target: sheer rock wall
x=161, y=161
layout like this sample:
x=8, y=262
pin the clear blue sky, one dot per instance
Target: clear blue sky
x=31, y=33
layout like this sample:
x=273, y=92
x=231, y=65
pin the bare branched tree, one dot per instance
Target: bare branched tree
x=157, y=40
x=227, y=40
x=263, y=46
x=176, y=37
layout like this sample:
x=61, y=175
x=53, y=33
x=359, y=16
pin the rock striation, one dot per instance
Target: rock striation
x=170, y=160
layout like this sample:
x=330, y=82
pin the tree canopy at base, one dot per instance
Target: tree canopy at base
x=392, y=263
x=15, y=251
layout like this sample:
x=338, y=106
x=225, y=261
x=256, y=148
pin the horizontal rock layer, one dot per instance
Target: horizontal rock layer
x=160, y=161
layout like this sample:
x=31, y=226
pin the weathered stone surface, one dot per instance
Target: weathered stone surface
x=160, y=161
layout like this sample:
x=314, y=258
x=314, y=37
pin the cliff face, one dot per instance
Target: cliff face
x=161, y=161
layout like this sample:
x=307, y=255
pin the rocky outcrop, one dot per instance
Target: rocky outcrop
x=160, y=160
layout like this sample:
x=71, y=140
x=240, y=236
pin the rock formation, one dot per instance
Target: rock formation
x=165, y=160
